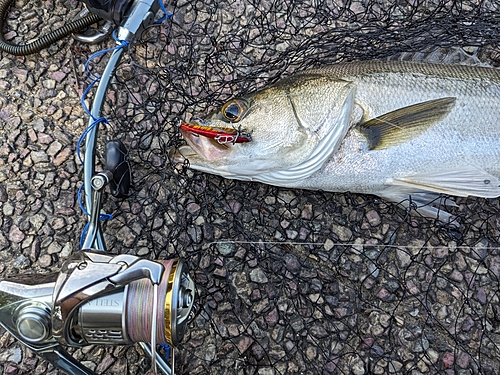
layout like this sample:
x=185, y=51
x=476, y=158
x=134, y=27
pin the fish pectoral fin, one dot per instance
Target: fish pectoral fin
x=403, y=124
x=462, y=182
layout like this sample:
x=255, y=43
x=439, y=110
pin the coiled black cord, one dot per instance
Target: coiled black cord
x=44, y=41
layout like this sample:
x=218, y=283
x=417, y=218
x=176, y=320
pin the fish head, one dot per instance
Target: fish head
x=272, y=130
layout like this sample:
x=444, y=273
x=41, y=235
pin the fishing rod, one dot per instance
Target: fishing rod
x=98, y=298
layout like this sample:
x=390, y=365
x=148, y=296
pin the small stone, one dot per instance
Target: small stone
x=456, y=276
x=21, y=74
x=63, y=156
x=270, y=200
x=39, y=125
x=394, y=366
x=5, y=85
x=9, y=35
x=318, y=331
x=292, y=264
x=45, y=260
x=58, y=75
x=258, y=276
x=106, y=363
x=256, y=295
x=328, y=245
x=344, y=233
x=49, y=83
x=91, y=365
x=210, y=352
x=266, y=371
x=291, y=234
x=463, y=360
x=15, y=234
x=297, y=324
x=442, y=313
x=54, y=248
x=287, y=197
x=448, y=359
x=220, y=272
x=440, y=252
x=11, y=355
x=358, y=367
x=384, y=294
x=226, y=248
x=195, y=233
x=193, y=208
x=432, y=355
x=234, y=206
x=373, y=218
x=27, y=115
x=404, y=258
x=272, y=317
x=8, y=209
x=3, y=194
x=46, y=93
x=307, y=212
x=37, y=221
x=39, y=157
x=481, y=296
x=57, y=223
x=54, y=148
x=467, y=324
x=66, y=250
x=377, y=350
x=120, y=366
x=243, y=343
x=22, y=262
x=11, y=370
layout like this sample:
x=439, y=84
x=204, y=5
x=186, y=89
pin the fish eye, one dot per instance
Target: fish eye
x=234, y=110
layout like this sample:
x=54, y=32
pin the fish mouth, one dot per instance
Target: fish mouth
x=210, y=143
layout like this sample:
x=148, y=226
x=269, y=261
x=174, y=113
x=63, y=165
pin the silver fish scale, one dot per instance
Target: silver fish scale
x=469, y=136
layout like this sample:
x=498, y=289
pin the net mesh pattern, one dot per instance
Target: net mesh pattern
x=290, y=281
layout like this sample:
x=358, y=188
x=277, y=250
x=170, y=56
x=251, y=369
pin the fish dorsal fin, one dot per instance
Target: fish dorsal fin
x=403, y=124
x=443, y=55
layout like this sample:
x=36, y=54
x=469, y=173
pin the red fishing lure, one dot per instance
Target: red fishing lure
x=221, y=135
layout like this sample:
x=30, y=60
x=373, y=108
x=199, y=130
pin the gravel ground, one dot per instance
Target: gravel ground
x=289, y=282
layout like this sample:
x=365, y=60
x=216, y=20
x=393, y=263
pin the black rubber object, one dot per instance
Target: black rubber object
x=44, y=41
x=111, y=10
x=116, y=161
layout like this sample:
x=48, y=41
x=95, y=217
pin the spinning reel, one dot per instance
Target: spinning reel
x=97, y=299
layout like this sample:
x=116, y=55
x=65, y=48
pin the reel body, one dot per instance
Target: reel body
x=97, y=299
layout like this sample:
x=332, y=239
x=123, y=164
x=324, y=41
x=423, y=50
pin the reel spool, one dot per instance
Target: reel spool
x=126, y=316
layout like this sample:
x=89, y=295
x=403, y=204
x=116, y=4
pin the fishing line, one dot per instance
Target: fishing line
x=353, y=244
x=140, y=302
x=154, y=316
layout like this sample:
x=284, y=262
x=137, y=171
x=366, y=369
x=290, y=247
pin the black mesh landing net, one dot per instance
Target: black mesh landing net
x=292, y=281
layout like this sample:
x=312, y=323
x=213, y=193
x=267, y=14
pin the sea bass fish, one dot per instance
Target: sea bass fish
x=397, y=130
